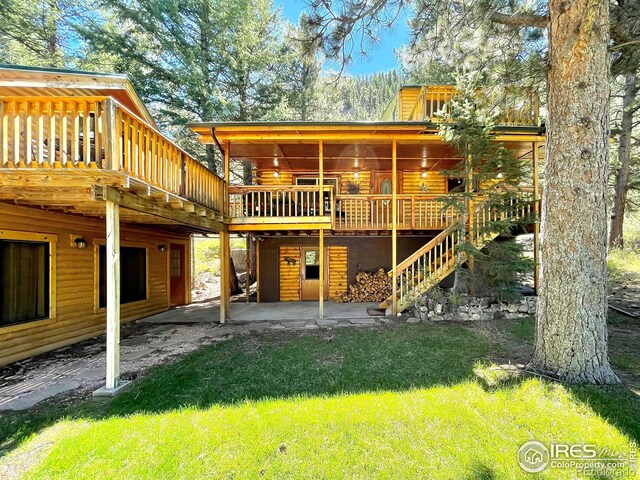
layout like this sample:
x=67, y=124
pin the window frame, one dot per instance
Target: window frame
x=52, y=240
x=97, y=243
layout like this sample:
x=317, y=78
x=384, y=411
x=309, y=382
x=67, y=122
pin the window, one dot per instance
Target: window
x=311, y=265
x=133, y=274
x=24, y=281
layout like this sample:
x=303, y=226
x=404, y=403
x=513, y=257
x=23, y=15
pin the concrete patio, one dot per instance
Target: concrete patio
x=162, y=338
x=209, y=312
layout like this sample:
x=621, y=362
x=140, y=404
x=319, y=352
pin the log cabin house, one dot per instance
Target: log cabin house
x=97, y=206
x=333, y=198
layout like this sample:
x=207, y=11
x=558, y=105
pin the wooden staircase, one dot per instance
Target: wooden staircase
x=436, y=260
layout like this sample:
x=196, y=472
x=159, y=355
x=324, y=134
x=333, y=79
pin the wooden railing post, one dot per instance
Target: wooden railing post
x=394, y=227
x=111, y=150
x=4, y=134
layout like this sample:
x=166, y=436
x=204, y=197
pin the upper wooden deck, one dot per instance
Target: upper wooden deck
x=426, y=103
x=66, y=138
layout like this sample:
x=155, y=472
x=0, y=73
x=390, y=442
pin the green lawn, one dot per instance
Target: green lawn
x=409, y=401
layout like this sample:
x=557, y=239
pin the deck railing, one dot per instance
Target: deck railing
x=99, y=133
x=516, y=106
x=373, y=212
x=256, y=202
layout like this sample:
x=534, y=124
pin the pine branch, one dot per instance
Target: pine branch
x=520, y=19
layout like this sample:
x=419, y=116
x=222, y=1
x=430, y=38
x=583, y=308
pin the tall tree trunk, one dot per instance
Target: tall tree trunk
x=571, y=334
x=616, y=234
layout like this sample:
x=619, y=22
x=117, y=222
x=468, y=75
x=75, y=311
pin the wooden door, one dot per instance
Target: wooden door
x=310, y=273
x=382, y=182
x=177, y=274
x=383, y=185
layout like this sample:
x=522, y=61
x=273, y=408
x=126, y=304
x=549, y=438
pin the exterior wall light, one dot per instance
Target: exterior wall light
x=80, y=242
x=162, y=247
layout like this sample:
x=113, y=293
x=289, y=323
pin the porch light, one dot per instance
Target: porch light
x=424, y=174
x=162, y=247
x=80, y=242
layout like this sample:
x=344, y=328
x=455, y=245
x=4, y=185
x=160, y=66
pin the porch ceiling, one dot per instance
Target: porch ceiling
x=295, y=146
x=83, y=193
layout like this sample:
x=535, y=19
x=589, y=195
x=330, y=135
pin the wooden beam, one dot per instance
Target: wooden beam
x=536, y=225
x=257, y=270
x=225, y=194
x=394, y=226
x=247, y=267
x=225, y=268
x=113, y=295
x=151, y=207
x=375, y=137
x=321, y=292
x=321, y=175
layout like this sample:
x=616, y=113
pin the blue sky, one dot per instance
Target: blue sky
x=380, y=57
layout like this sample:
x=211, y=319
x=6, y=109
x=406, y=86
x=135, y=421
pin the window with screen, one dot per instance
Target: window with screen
x=24, y=281
x=133, y=274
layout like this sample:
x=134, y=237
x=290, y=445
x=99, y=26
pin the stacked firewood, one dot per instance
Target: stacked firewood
x=369, y=287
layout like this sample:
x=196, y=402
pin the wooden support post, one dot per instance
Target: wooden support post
x=394, y=227
x=227, y=146
x=113, y=295
x=321, y=293
x=257, y=270
x=470, y=206
x=225, y=268
x=247, y=267
x=321, y=175
x=536, y=225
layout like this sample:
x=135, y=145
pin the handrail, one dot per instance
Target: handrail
x=440, y=251
x=279, y=201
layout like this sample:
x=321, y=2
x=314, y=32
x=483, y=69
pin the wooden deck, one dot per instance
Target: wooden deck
x=58, y=153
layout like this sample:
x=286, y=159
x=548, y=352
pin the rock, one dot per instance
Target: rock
x=413, y=320
x=498, y=315
x=512, y=308
x=523, y=307
x=484, y=302
x=438, y=308
x=463, y=316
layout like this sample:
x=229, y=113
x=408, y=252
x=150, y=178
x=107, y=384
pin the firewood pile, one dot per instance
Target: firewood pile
x=369, y=287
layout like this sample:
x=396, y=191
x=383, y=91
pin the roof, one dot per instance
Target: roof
x=21, y=80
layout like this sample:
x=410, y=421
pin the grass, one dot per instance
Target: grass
x=623, y=264
x=408, y=401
